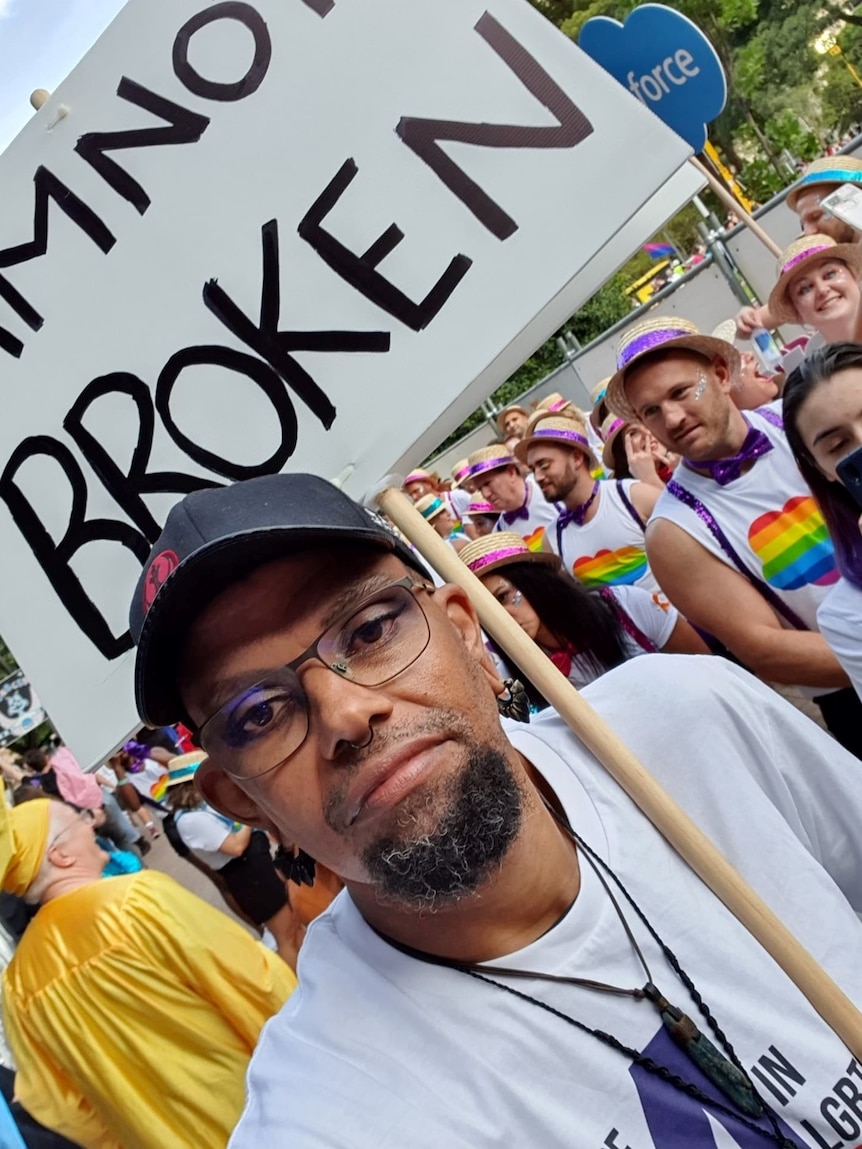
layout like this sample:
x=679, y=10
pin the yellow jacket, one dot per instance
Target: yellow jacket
x=132, y=1008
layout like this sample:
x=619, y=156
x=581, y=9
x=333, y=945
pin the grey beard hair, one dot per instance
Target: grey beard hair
x=473, y=834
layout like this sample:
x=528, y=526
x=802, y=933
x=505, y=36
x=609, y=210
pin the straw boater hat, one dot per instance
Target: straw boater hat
x=804, y=253
x=420, y=476
x=557, y=404
x=830, y=170
x=725, y=331
x=503, y=547
x=490, y=459
x=600, y=407
x=460, y=472
x=612, y=428
x=662, y=333
x=180, y=769
x=430, y=506
x=506, y=410
x=556, y=429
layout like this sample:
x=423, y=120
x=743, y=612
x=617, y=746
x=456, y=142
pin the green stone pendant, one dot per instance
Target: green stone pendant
x=700, y=1050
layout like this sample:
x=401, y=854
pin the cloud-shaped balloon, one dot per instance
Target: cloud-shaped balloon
x=666, y=61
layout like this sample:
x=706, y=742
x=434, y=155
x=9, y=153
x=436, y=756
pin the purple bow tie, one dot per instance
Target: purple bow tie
x=579, y=514
x=724, y=471
x=510, y=517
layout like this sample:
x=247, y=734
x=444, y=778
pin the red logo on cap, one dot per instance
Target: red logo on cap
x=157, y=575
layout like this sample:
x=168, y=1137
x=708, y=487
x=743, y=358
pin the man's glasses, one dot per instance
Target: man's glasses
x=86, y=816
x=263, y=725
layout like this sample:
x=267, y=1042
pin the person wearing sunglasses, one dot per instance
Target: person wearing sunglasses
x=131, y=1006
x=504, y=962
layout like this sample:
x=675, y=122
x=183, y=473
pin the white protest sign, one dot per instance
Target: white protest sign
x=283, y=234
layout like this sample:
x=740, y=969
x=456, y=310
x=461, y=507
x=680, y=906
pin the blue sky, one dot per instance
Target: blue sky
x=40, y=43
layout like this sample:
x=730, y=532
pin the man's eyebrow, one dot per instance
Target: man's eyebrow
x=351, y=596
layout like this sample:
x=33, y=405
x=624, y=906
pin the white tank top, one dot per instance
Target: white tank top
x=770, y=519
x=609, y=550
x=540, y=515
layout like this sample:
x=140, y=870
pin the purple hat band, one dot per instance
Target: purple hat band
x=417, y=477
x=494, y=557
x=798, y=258
x=492, y=464
x=614, y=427
x=462, y=473
x=569, y=436
x=647, y=342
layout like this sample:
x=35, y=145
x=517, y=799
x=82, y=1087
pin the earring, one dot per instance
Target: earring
x=298, y=868
x=514, y=703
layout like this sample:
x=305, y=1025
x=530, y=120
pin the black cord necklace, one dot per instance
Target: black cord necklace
x=724, y=1070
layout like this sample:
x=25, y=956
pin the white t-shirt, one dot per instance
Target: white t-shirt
x=377, y=1050
x=653, y=616
x=540, y=517
x=203, y=831
x=144, y=779
x=839, y=619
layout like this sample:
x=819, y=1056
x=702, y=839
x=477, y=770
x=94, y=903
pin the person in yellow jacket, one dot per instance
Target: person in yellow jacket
x=131, y=1006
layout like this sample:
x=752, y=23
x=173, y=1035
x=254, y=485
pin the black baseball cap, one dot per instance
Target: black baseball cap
x=214, y=537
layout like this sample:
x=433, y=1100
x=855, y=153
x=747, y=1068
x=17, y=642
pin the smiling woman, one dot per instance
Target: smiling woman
x=823, y=420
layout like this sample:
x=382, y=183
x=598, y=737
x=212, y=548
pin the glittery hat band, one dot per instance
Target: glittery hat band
x=647, y=342
x=798, y=258
x=432, y=509
x=494, y=557
x=417, y=477
x=461, y=474
x=568, y=436
x=833, y=175
x=614, y=427
x=492, y=464
x=559, y=405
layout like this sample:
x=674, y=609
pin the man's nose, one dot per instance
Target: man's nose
x=341, y=711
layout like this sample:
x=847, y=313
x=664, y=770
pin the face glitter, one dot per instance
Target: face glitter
x=701, y=385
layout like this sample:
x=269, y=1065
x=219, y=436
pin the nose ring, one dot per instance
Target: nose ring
x=363, y=745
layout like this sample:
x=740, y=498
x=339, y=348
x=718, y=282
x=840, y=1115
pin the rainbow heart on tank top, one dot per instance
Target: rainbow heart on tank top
x=793, y=546
x=611, y=568
x=535, y=540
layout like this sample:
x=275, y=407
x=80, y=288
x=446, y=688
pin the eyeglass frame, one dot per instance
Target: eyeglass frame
x=310, y=654
x=85, y=815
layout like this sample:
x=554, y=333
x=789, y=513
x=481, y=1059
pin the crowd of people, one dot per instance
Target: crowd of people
x=326, y=720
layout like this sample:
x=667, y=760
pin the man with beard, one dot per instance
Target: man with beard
x=736, y=540
x=477, y=984
x=521, y=507
x=599, y=535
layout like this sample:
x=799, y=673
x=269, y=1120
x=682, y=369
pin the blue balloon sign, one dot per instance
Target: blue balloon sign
x=666, y=61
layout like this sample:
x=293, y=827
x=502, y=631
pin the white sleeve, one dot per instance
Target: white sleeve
x=652, y=614
x=201, y=830
x=839, y=618
x=696, y=721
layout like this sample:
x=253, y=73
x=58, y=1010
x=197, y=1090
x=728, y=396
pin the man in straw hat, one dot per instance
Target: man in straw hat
x=751, y=387
x=132, y=1007
x=521, y=505
x=599, y=533
x=349, y=706
x=512, y=420
x=822, y=177
x=736, y=540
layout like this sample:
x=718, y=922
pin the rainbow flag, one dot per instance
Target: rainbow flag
x=659, y=250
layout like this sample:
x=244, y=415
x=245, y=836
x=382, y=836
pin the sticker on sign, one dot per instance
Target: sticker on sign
x=287, y=234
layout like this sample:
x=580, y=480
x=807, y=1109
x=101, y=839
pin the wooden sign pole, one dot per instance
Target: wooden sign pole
x=669, y=819
x=735, y=206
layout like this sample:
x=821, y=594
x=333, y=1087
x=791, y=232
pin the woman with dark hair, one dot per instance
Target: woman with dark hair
x=584, y=632
x=823, y=422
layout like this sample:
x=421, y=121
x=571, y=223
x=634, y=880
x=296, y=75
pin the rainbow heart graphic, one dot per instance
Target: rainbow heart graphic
x=535, y=540
x=611, y=568
x=793, y=546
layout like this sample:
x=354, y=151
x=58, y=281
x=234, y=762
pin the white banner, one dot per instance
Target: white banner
x=283, y=234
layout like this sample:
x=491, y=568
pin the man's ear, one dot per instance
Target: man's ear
x=222, y=793
x=723, y=374
x=462, y=614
